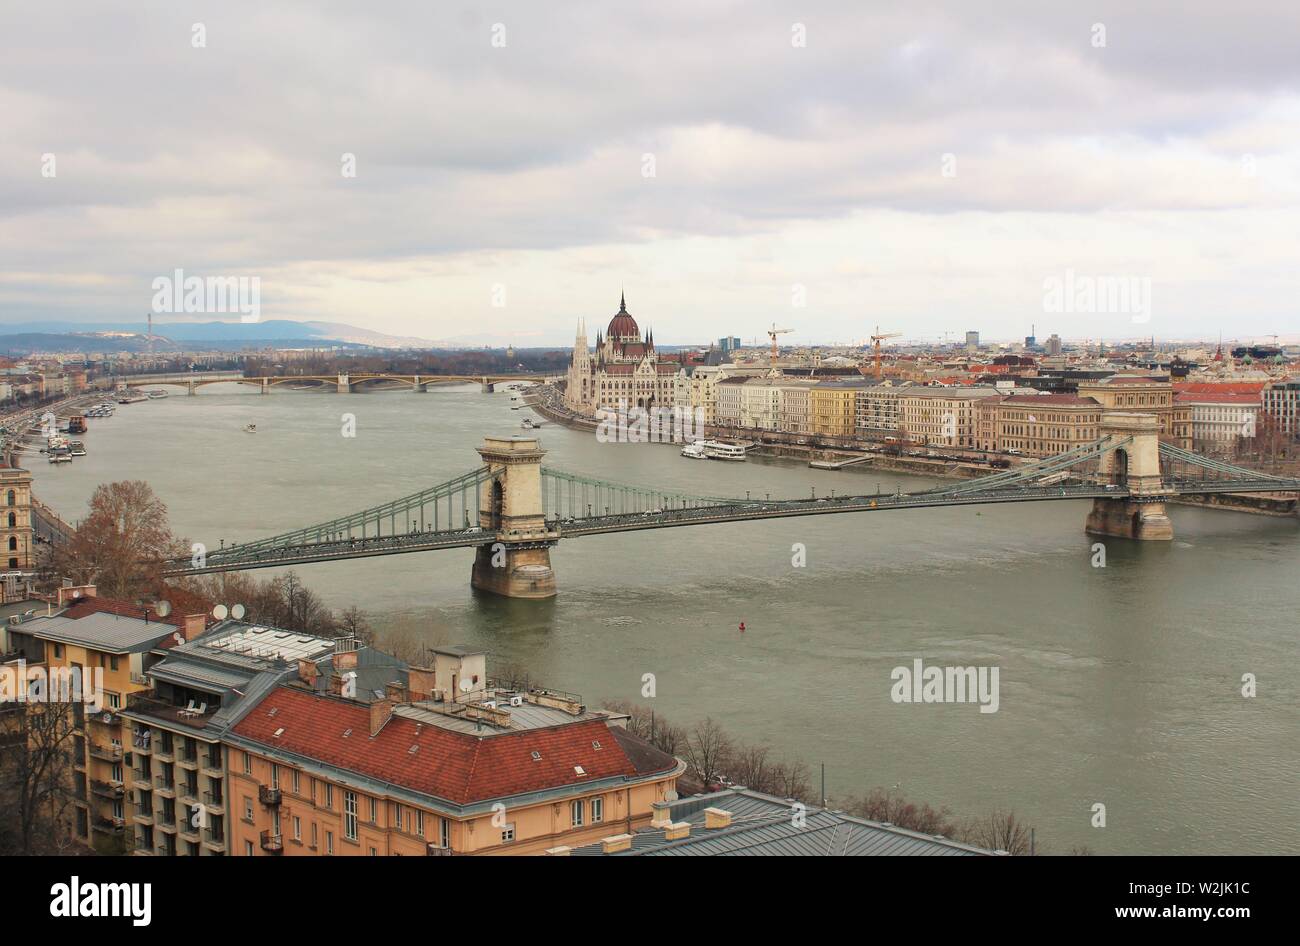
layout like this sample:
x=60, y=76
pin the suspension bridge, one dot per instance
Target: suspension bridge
x=513, y=510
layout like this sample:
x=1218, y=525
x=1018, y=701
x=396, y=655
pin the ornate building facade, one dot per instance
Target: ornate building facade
x=624, y=369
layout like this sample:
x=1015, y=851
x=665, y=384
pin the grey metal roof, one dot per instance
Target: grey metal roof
x=102, y=630
x=763, y=825
x=192, y=672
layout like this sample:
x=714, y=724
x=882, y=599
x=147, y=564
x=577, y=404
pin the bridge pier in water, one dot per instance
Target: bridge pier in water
x=488, y=387
x=517, y=563
x=345, y=386
x=1136, y=465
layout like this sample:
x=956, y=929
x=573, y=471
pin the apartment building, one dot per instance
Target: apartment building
x=1038, y=425
x=760, y=403
x=1220, y=419
x=877, y=408
x=1144, y=395
x=794, y=407
x=112, y=643
x=833, y=407
x=1281, y=401
x=17, y=537
x=731, y=400
x=449, y=764
x=198, y=691
x=944, y=416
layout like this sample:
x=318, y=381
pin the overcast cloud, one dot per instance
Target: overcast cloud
x=1171, y=153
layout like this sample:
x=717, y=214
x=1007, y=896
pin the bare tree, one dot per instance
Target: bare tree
x=36, y=741
x=121, y=545
x=707, y=747
x=998, y=831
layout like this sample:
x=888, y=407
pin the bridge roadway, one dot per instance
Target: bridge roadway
x=231, y=559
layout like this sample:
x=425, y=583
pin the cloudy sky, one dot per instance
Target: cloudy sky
x=829, y=166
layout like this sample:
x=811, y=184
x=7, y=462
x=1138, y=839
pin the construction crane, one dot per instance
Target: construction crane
x=876, y=340
x=772, y=333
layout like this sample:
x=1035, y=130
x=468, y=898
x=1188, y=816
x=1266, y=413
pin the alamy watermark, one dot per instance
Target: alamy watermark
x=650, y=424
x=20, y=683
x=181, y=293
x=922, y=684
x=1098, y=295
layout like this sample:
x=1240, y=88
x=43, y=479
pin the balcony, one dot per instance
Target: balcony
x=272, y=843
x=165, y=784
x=268, y=796
x=215, y=803
x=188, y=758
x=163, y=751
x=187, y=791
x=213, y=838
x=212, y=767
x=109, y=825
x=144, y=813
x=107, y=753
x=105, y=718
x=142, y=777
x=107, y=789
x=188, y=829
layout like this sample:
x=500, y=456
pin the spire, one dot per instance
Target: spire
x=622, y=301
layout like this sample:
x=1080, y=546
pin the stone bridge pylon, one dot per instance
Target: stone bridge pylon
x=1134, y=466
x=517, y=563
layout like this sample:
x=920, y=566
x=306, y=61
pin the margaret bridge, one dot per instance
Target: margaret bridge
x=513, y=510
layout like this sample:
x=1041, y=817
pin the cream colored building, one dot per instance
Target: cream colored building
x=944, y=416
x=1144, y=395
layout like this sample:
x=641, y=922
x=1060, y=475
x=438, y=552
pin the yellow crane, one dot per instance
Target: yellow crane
x=772, y=333
x=876, y=340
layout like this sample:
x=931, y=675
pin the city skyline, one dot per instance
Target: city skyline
x=919, y=169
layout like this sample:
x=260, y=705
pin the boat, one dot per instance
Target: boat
x=695, y=451
x=718, y=450
x=77, y=448
x=156, y=394
x=77, y=424
x=132, y=399
x=530, y=424
x=250, y=429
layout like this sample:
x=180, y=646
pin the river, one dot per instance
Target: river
x=1119, y=685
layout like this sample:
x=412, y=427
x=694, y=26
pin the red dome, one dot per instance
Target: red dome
x=622, y=325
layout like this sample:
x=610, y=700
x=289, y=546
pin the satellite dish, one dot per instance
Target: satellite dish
x=220, y=612
x=238, y=612
x=163, y=608
x=466, y=686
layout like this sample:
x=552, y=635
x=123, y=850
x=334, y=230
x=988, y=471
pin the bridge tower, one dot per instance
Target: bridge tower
x=1135, y=466
x=517, y=563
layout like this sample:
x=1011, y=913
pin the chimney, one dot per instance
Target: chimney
x=381, y=711
x=615, y=843
x=395, y=691
x=345, y=660
x=675, y=832
x=308, y=673
x=716, y=818
x=420, y=683
x=663, y=814
x=561, y=851
x=336, y=684
x=194, y=625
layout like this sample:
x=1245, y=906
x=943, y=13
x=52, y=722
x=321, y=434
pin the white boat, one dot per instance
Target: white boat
x=77, y=448
x=717, y=450
x=530, y=424
x=156, y=394
x=695, y=451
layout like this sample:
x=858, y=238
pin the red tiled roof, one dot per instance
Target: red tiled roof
x=1215, y=397
x=454, y=766
x=88, y=606
x=1227, y=387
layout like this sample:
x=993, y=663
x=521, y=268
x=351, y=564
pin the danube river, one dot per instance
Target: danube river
x=1118, y=685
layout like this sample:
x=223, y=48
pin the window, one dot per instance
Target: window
x=297, y=788
x=248, y=808
x=112, y=663
x=329, y=842
x=597, y=810
x=350, y=815
x=397, y=816
x=374, y=810
x=248, y=764
x=577, y=813
x=297, y=828
x=444, y=832
x=313, y=835
x=275, y=775
x=115, y=700
x=248, y=848
x=508, y=833
x=329, y=796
